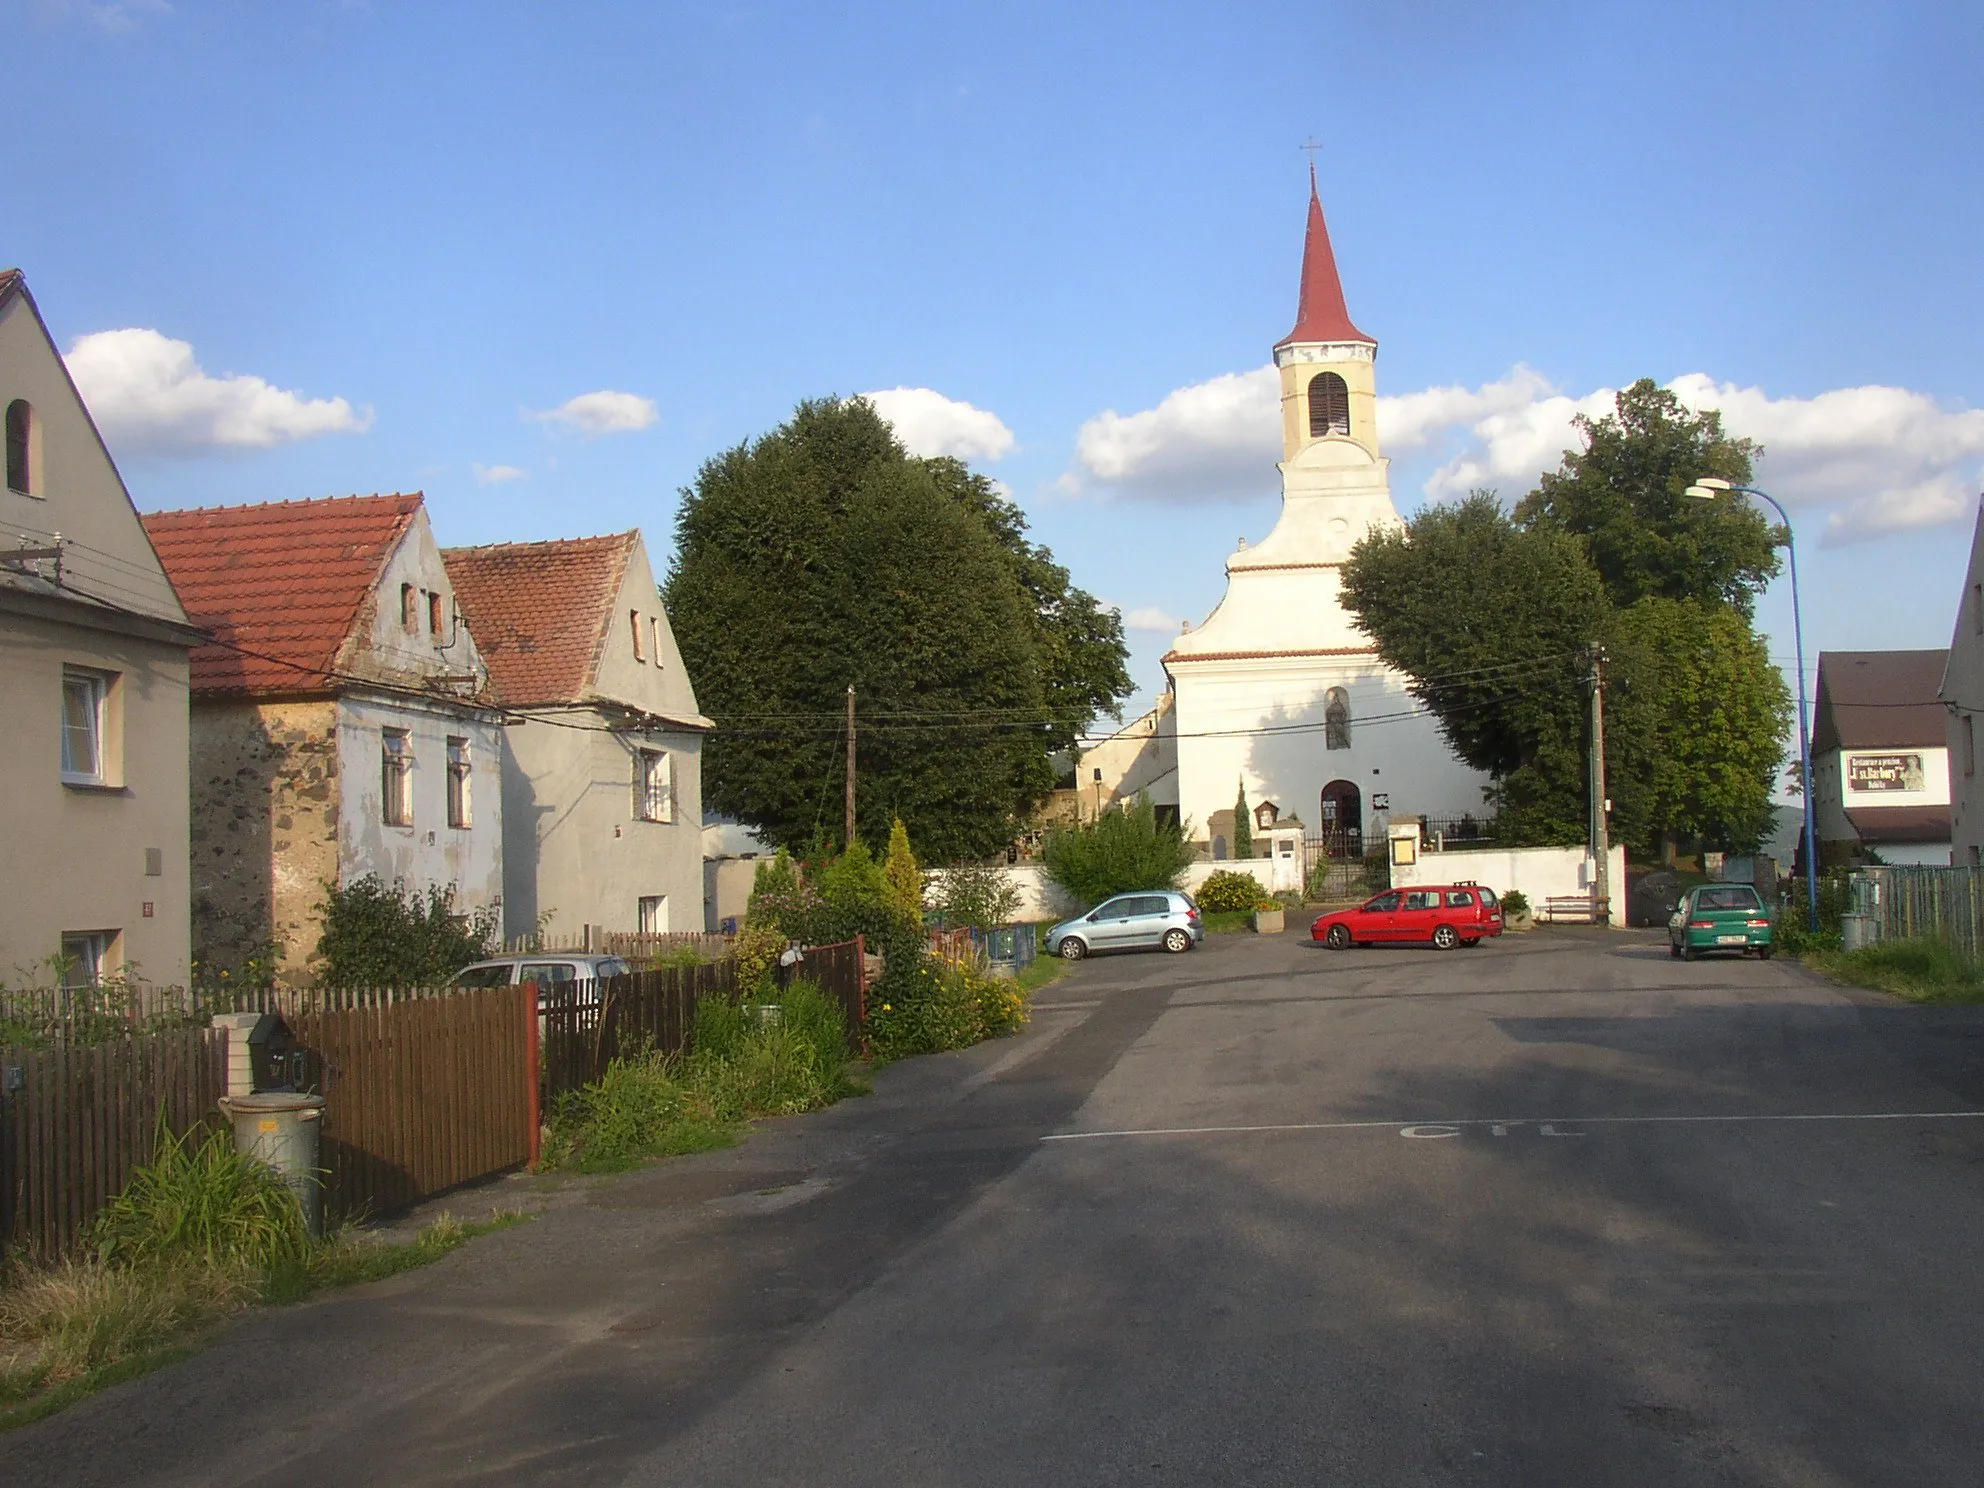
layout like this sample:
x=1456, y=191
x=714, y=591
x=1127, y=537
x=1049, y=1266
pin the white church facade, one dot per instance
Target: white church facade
x=1279, y=690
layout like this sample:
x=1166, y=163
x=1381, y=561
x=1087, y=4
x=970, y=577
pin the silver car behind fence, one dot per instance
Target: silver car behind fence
x=1157, y=920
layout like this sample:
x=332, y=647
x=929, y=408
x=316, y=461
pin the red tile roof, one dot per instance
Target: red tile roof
x=1322, y=314
x=285, y=580
x=539, y=611
x=10, y=280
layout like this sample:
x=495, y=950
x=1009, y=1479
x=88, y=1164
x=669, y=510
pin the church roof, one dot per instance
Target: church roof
x=1322, y=315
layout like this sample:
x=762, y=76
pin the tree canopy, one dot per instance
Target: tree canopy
x=1494, y=617
x=822, y=556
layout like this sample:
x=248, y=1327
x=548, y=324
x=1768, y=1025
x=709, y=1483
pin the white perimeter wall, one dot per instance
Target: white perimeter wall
x=1539, y=872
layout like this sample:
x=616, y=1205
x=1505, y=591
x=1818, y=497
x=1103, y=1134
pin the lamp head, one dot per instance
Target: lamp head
x=1704, y=493
x=1714, y=483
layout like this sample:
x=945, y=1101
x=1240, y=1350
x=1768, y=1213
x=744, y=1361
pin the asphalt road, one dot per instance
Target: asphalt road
x=1557, y=1210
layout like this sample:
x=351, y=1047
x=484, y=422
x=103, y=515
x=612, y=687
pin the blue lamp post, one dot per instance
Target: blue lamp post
x=1708, y=488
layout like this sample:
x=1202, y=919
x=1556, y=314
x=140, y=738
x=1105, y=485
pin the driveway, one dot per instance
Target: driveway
x=1557, y=1210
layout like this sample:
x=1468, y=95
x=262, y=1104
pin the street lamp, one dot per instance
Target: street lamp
x=1709, y=488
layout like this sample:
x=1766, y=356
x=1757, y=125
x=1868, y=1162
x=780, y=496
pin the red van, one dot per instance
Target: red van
x=1442, y=915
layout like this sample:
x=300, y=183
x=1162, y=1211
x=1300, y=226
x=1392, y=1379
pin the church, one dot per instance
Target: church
x=1279, y=691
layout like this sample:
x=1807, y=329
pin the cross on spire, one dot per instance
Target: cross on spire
x=1312, y=145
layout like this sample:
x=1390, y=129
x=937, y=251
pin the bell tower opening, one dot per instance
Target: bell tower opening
x=1329, y=405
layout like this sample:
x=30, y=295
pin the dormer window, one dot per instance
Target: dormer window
x=23, y=449
x=1329, y=405
x=409, y=609
x=634, y=624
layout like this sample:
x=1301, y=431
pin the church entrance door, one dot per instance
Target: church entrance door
x=1343, y=820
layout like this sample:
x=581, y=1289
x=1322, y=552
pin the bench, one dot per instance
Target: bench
x=1576, y=909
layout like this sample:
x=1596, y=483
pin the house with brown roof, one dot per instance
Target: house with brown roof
x=342, y=723
x=1880, y=756
x=93, y=678
x=602, y=782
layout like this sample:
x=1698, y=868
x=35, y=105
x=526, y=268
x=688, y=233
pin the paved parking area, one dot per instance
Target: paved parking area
x=1555, y=1210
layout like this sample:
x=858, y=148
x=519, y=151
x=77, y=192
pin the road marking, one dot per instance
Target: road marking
x=1499, y=1126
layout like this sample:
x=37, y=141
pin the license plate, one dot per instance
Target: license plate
x=1732, y=939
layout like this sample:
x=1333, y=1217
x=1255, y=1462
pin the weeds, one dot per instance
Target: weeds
x=200, y=1201
x=1919, y=970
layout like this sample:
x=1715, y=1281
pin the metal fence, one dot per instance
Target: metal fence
x=1945, y=904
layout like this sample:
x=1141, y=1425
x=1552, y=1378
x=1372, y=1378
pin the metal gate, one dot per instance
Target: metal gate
x=1336, y=869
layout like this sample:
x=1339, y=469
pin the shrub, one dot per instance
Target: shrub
x=757, y=949
x=1515, y=903
x=947, y=1005
x=1227, y=892
x=636, y=1109
x=979, y=895
x=905, y=879
x=377, y=935
x=854, y=880
x=1119, y=852
x=199, y=1201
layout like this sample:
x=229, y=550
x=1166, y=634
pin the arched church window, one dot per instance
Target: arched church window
x=1329, y=405
x=1336, y=719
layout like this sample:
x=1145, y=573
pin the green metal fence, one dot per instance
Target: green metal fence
x=1945, y=904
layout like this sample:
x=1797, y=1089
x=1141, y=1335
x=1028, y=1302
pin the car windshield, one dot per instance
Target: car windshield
x=485, y=976
x=1729, y=896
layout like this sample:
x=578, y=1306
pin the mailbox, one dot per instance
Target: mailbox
x=273, y=1056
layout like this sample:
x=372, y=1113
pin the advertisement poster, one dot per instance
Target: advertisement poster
x=1885, y=772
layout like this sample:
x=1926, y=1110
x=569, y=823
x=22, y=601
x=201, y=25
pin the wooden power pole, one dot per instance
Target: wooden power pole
x=848, y=840
x=1601, y=844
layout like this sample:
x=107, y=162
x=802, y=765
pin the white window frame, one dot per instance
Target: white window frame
x=651, y=912
x=95, y=954
x=396, y=777
x=654, y=785
x=461, y=774
x=94, y=688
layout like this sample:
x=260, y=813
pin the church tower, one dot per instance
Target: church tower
x=1328, y=367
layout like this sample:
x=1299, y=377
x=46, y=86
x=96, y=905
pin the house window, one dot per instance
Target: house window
x=433, y=614
x=88, y=956
x=634, y=624
x=654, y=914
x=1329, y=405
x=458, y=789
x=1336, y=719
x=654, y=794
x=409, y=608
x=395, y=777
x=82, y=727
x=1969, y=744
x=23, y=449
x=654, y=639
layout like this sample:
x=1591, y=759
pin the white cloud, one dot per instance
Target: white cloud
x=603, y=412
x=1150, y=617
x=496, y=475
x=1212, y=441
x=1874, y=459
x=929, y=424
x=149, y=395
x=114, y=16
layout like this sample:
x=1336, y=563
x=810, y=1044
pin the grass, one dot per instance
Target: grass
x=1919, y=970
x=1042, y=971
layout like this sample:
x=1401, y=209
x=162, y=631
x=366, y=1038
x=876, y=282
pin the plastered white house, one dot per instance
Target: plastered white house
x=341, y=720
x=1880, y=756
x=602, y=777
x=93, y=693
x=1279, y=691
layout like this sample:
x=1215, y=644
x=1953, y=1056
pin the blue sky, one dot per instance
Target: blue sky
x=458, y=218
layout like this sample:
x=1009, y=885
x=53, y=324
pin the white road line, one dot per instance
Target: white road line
x=1508, y=1121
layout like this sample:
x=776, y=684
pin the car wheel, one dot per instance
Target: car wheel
x=1445, y=938
x=1339, y=938
x=1764, y=952
x=1688, y=952
x=1176, y=941
x=1072, y=948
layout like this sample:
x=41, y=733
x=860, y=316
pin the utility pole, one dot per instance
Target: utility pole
x=848, y=841
x=1601, y=844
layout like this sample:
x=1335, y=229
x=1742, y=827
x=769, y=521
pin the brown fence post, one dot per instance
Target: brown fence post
x=532, y=1075
x=860, y=980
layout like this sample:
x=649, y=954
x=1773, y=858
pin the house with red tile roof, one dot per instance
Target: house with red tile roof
x=602, y=781
x=93, y=678
x=342, y=720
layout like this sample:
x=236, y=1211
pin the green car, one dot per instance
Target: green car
x=1720, y=917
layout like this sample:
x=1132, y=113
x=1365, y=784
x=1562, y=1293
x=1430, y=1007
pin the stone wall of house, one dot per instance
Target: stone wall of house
x=265, y=833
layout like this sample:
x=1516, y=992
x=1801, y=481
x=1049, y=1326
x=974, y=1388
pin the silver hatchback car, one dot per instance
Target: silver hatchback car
x=1166, y=921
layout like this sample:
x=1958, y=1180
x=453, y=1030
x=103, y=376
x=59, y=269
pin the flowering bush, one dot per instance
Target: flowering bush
x=1226, y=891
x=943, y=1005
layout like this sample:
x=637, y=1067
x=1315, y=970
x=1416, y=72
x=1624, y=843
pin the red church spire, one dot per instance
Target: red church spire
x=1323, y=316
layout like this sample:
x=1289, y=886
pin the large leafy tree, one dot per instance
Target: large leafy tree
x=1623, y=496
x=822, y=556
x=1493, y=624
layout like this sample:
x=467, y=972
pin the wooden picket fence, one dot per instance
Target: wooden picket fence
x=1945, y=904
x=75, y=1119
x=421, y=1094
